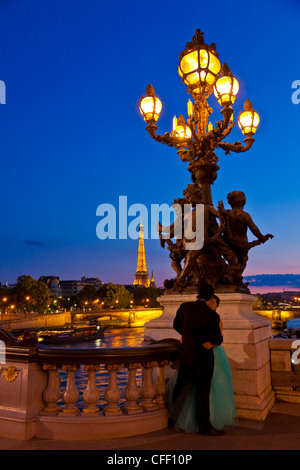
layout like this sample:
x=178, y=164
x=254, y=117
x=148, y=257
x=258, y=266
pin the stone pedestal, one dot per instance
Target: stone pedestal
x=21, y=386
x=162, y=327
x=246, y=342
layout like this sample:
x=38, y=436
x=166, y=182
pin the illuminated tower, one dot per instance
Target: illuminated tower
x=141, y=275
x=152, y=282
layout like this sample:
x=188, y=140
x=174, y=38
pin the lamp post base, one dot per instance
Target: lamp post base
x=246, y=342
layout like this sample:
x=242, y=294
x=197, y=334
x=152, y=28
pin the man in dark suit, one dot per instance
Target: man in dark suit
x=199, y=328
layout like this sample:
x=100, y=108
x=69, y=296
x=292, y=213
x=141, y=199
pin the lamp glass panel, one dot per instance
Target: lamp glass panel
x=223, y=86
x=245, y=119
x=255, y=119
x=202, y=75
x=180, y=131
x=183, y=131
x=158, y=106
x=226, y=98
x=210, y=78
x=151, y=107
x=235, y=87
x=193, y=78
x=203, y=58
x=188, y=131
x=147, y=105
x=189, y=62
x=214, y=64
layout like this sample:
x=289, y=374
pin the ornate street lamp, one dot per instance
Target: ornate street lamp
x=226, y=87
x=150, y=106
x=199, y=66
x=248, y=120
x=196, y=141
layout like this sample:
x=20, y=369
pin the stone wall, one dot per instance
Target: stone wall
x=38, y=321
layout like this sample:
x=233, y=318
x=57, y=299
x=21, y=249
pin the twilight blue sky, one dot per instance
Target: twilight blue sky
x=72, y=138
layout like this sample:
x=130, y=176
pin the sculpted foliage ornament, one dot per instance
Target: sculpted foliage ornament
x=11, y=373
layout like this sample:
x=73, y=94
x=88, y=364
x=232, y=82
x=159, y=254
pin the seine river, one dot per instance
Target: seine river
x=113, y=338
x=118, y=338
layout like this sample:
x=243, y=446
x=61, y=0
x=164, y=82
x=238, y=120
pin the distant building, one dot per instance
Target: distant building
x=53, y=284
x=94, y=281
x=68, y=288
x=152, y=282
x=7, y=285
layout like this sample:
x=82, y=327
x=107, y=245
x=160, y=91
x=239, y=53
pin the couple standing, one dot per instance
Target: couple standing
x=200, y=394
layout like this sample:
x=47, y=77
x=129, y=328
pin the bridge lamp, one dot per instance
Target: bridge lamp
x=226, y=87
x=199, y=65
x=180, y=128
x=150, y=106
x=248, y=119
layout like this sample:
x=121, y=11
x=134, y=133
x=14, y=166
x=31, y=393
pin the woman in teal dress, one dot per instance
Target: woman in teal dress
x=222, y=405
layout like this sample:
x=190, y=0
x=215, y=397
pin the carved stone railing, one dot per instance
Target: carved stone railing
x=33, y=402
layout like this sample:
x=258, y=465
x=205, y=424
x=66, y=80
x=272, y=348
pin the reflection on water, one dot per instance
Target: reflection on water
x=113, y=338
x=116, y=338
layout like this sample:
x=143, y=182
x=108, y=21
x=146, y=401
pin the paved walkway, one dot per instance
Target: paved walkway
x=280, y=431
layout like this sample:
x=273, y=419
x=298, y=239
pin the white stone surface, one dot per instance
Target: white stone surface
x=21, y=400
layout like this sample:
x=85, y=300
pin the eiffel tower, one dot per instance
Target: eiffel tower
x=141, y=275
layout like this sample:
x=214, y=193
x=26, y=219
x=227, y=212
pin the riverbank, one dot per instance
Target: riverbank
x=133, y=318
x=34, y=321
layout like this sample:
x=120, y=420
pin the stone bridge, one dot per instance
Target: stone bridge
x=278, y=317
x=134, y=317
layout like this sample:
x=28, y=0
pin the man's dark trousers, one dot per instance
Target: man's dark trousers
x=197, y=324
x=201, y=377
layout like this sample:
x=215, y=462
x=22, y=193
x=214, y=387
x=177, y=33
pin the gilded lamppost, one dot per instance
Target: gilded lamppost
x=222, y=259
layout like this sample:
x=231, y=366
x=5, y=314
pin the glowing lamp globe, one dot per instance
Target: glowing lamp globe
x=150, y=106
x=183, y=131
x=199, y=65
x=226, y=87
x=248, y=120
x=180, y=128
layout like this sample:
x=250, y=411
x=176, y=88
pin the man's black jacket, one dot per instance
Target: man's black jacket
x=197, y=323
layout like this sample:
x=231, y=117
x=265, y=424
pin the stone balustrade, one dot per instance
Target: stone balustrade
x=33, y=402
x=40, y=396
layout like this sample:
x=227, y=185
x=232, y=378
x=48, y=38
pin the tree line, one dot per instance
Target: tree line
x=27, y=295
x=113, y=296
x=30, y=295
